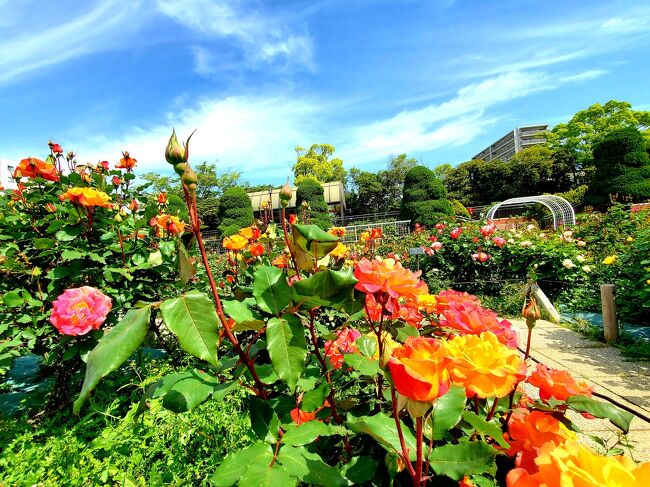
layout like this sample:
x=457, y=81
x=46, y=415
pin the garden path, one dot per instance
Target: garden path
x=603, y=367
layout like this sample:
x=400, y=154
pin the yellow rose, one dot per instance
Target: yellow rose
x=340, y=251
x=609, y=260
x=236, y=242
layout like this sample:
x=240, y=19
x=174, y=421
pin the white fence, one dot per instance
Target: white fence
x=394, y=229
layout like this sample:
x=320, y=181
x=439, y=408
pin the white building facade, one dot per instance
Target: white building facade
x=6, y=173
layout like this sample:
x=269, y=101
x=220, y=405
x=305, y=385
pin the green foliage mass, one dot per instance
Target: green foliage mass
x=111, y=446
x=459, y=209
x=235, y=211
x=311, y=192
x=425, y=197
x=622, y=169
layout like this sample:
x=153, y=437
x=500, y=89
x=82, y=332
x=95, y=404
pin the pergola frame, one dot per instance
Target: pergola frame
x=561, y=209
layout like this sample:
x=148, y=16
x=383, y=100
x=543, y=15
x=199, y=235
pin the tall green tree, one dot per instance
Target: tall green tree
x=589, y=126
x=317, y=163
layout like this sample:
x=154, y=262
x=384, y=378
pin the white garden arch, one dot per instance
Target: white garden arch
x=560, y=208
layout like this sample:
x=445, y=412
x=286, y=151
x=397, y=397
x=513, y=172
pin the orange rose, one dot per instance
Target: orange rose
x=35, y=168
x=472, y=319
x=250, y=233
x=428, y=303
x=256, y=249
x=127, y=162
x=236, y=242
x=86, y=197
x=388, y=276
x=168, y=223
x=557, y=384
x=484, y=366
x=574, y=465
x=445, y=298
x=419, y=369
x=528, y=431
x=337, y=231
x=162, y=198
x=281, y=261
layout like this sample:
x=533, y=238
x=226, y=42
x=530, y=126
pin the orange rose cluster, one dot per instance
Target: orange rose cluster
x=169, y=224
x=423, y=368
x=35, y=168
x=246, y=237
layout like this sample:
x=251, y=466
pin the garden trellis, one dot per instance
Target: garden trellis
x=561, y=210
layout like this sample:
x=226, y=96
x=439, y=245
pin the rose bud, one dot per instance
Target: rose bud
x=285, y=194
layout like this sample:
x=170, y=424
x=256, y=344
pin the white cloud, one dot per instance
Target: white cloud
x=253, y=134
x=203, y=61
x=262, y=37
x=625, y=25
x=47, y=43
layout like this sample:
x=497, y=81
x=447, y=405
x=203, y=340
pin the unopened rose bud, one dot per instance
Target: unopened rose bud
x=181, y=167
x=36, y=272
x=175, y=153
x=118, y=218
x=285, y=194
x=189, y=177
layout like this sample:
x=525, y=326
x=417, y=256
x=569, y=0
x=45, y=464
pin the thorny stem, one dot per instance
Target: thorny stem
x=514, y=390
x=243, y=356
x=528, y=340
x=493, y=409
x=328, y=378
x=417, y=479
x=400, y=434
x=286, y=241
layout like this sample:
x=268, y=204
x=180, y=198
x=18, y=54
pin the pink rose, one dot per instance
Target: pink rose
x=436, y=246
x=480, y=256
x=499, y=241
x=80, y=310
x=455, y=233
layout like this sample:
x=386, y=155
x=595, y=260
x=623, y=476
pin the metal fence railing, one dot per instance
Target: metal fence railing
x=395, y=229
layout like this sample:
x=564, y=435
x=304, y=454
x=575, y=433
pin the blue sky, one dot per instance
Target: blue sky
x=438, y=80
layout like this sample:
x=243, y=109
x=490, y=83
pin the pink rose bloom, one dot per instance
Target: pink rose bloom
x=499, y=241
x=455, y=233
x=80, y=310
x=487, y=230
x=480, y=256
x=436, y=246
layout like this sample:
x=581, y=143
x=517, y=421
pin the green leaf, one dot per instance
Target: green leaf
x=167, y=247
x=191, y=389
x=235, y=464
x=309, y=467
x=485, y=428
x=360, y=469
x=382, y=429
x=113, y=349
x=617, y=416
x=325, y=288
x=468, y=458
x=305, y=434
x=271, y=289
x=12, y=299
x=70, y=254
x=246, y=318
x=287, y=348
x=193, y=320
x=446, y=412
x=362, y=364
x=155, y=259
x=366, y=345
x=405, y=331
x=44, y=243
x=314, y=399
x=67, y=234
x=96, y=257
x=313, y=239
x=263, y=474
x=185, y=265
x=264, y=421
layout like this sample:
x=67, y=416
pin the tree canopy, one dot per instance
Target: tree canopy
x=589, y=126
x=316, y=163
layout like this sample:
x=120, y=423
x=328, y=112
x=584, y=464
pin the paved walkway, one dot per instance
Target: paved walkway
x=602, y=367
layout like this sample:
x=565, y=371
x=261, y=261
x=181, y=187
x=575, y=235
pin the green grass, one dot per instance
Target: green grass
x=107, y=445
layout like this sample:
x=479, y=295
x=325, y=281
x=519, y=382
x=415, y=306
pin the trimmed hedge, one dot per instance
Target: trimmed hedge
x=424, y=198
x=459, y=209
x=622, y=169
x=312, y=192
x=235, y=211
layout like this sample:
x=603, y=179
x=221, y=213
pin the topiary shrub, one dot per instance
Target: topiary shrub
x=235, y=211
x=459, y=209
x=622, y=169
x=424, y=198
x=312, y=192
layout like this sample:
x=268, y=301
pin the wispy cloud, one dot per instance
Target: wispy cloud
x=262, y=37
x=40, y=44
x=626, y=25
x=253, y=134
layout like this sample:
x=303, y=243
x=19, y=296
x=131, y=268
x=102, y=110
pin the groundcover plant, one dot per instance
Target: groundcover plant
x=354, y=372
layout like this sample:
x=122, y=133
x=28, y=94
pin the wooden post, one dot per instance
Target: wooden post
x=610, y=326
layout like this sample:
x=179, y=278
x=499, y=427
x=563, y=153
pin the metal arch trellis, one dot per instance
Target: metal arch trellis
x=561, y=209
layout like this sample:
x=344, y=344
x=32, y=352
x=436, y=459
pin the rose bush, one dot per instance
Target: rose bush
x=354, y=372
